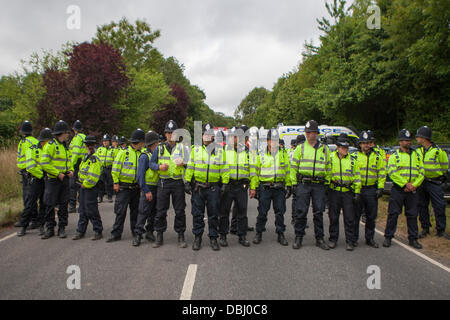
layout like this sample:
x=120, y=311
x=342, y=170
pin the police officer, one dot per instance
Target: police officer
x=26, y=131
x=78, y=152
x=105, y=154
x=205, y=170
x=242, y=176
x=168, y=159
x=56, y=162
x=36, y=184
x=115, y=146
x=274, y=179
x=345, y=185
x=372, y=167
x=88, y=177
x=435, y=164
x=124, y=174
x=309, y=172
x=148, y=181
x=405, y=169
x=123, y=143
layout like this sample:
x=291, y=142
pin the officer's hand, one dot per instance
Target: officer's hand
x=289, y=192
x=188, y=188
x=149, y=196
x=223, y=189
x=164, y=167
x=61, y=176
x=70, y=174
x=357, y=198
x=252, y=194
x=82, y=186
x=379, y=193
x=116, y=187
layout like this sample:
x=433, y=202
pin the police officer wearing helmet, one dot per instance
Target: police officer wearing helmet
x=88, y=178
x=105, y=154
x=373, y=176
x=435, y=164
x=123, y=143
x=405, y=168
x=126, y=187
x=274, y=186
x=148, y=181
x=206, y=170
x=56, y=163
x=36, y=184
x=168, y=159
x=310, y=171
x=78, y=152
x=115, y=146
x=26, y=131
x=345, y=185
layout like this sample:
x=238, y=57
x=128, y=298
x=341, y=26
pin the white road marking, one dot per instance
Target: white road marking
x=8, y=237
x=189, y=281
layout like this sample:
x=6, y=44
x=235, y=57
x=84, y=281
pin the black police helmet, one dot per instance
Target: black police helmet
x=371, y=135
x=424, y=132
x=137, y=136
x=404, y=135
x=301, y=138
x=106, y=137
x=115, y=138
x=312, y=126
x=45, y=135
x=171, y=126
x=26, y=127
x=78, y=126
x=151, y=137
x=272, y=134
x=342, y=140
x=60, y=128
x=122, y=140
x=89, y=140
x=244, y=128
x=208, y=128
x=364, y=137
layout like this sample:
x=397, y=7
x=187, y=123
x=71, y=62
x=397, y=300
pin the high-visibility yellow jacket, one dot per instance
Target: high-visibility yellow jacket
x=207, y=166
x=22, y=148
x=165, y=157
x=372, y=167
x=311, y=161
x=124, y=168
x=90, y=171
x=105, y=155
x=33, y=159
x=241, y=165
x=435, y=161
x=344, y=174
x=273, y=168
x=77, y=148
x=56, y=158
x=406, y=168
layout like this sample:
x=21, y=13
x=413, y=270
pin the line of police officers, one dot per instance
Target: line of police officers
x=146, y=174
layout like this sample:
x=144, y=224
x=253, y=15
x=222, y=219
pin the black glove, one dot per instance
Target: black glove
x=379, y=193
x=356, y=198
x=188, y=188
x=289, y=192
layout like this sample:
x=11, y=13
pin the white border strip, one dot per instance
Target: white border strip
x=8, y=237
x=189, y=281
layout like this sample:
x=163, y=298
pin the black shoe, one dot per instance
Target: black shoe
x=137, y=240
x=113, y=239
x=150, y=236
x=282, y=240
x=97, y=236
x=159, y=240
x=250, y=229
x=355, y=244
x=349, y=247
x=322, y=245
x=258, y=238
x=48, y=234
x=18, y=225
x=197, y=243
x=214, y=244
x=387, y=242
x=442, y=234
x=78, y=236
x=415, y=244
x=243, y=241
x=372, y=243
x=363, y=219
x=22, y=232
x=34, y=226
x=41, y=230
x=424, y=233
x=332, y=244
x=181, y=242
x=62, y=233
x=223, y=240
x=298, y=243
x=72, y=210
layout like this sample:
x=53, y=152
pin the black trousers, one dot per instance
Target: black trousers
x=341, y=201
x=305, y=192
x=431, y=191
x=147, y=212
x=125, y=198
x=166, y=189
x=266, y=197
x=35, y=192
x=25, y=191
x=88, y=211
x=209, y=199
x=397, y=200
x=74, y=188
x=236, y=194
x=56, y=194
x=106, y=183
x=369, y=205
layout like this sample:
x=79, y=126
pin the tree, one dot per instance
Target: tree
x=248, y=106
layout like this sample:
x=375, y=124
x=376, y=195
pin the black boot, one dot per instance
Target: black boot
x=100, y=200
x=223, y=240
x=159, y=240
x=258, y=238
x=181, y=242
x=214, y=244
x=137, y=240
x=62, y=233
x=332, y=244
x=424, y=233
x=349, y=246
x=97, y=236
x=33, y=226
x=442, y=234
x=298, y=243
x=150, y=236
x=41, y=230
x=387, y=243
x=113, y=238
x=48, y=234
x=372, y=243
x=78, y=236
x=322, y=245
x=18, y=225
x=22, y=232
x=282, y=240
x=72, y=210
x=197, y=243
x=243, y=241
x=415, y=244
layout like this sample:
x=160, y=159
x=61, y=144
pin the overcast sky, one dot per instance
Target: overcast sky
x=228, y=47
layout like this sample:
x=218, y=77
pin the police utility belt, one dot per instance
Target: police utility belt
x=204, y=185
x=439, y=180
x=341, y=185
x=242, y=182
x=273, y=185
x=128, y=186
x=309, y=179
